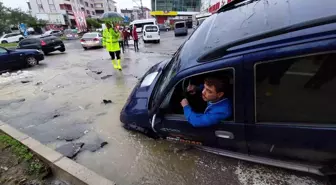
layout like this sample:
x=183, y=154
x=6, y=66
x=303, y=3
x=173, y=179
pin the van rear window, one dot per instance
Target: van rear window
x=179, y=25
x=151, y=29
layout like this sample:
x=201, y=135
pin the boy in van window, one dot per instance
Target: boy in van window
x=218, y=106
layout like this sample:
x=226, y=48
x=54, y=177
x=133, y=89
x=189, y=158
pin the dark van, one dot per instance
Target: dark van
x=281, y=63
x=180, y=28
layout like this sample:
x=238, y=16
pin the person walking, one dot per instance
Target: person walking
x=110, y=42
x=121, y=40
x=135, y=38
x=125, y=35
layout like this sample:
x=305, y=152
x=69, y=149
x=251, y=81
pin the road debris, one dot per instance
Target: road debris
x=97, y=72
x=56, y=115
x=106, y=76
x=8, y=102
x=25, y=81
x=107, y=101
x=101, y=114
x=4, y=168
x=70, y=150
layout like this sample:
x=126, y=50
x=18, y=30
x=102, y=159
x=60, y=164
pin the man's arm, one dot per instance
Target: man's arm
x=207, y=119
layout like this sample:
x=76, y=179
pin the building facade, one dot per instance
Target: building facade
x=136, y=13
x=170, y=11
x=72, y=11
x=102, y=6
x=176, y=5
x=211, y=6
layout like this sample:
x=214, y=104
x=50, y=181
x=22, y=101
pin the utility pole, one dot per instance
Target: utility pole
x=141, y=7
x=142, y=12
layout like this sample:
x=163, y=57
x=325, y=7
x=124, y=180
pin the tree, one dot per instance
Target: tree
x=4, y=27
x=13, y=17
x=93, y=23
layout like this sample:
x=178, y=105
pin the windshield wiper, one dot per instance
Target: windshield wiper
x=234, y=4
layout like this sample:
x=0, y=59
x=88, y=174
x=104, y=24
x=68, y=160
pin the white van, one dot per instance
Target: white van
x=151, y=33
x=140, y=23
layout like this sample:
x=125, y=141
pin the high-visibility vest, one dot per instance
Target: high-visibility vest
x=107, y=38
x=110, y=40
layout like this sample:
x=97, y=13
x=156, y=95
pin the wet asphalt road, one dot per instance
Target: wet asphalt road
x=61, y=105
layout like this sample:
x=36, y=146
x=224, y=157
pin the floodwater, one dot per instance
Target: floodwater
x=61, y=105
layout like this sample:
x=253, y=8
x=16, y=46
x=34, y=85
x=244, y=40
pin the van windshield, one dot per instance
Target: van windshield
x=168, y=73
x=141, y=25
x=179, y=25
x=151, y=29
x=248, y=18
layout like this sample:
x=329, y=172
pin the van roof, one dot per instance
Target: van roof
x=247, y=18
x=142, y=20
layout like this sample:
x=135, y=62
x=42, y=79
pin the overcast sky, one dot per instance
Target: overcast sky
x=121, y=4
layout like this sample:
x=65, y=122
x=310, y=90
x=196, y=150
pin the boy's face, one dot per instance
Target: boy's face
x=210, y=94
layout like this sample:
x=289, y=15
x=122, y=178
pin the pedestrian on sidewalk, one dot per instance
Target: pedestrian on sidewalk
x=121, y=40
x=135, y=38
x=110, y=42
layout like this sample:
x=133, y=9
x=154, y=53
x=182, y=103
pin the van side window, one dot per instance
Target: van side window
x=172, y=102
x=300, y=90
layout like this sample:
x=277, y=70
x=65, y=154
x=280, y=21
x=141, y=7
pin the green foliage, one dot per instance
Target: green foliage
x=16, y=147
x=9, y=45
x=4, y=19
x=93, y=23
x=35, y=166
x=13, y=17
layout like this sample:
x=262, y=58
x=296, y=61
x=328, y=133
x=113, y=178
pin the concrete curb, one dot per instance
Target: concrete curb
x=62, y=167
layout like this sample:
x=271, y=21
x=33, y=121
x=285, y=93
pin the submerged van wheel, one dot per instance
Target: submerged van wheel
x=148, y=132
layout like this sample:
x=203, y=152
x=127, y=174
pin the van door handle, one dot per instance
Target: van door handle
x=224, y=134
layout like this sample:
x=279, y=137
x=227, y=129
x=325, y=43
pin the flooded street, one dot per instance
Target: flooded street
x=61, y=104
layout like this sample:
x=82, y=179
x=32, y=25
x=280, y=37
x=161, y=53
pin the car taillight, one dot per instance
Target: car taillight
x=95, y=39
x=43, y=43
x=144, y=33
x=82, y=40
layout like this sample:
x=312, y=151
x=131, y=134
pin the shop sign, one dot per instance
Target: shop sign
x=218, y=5
x=214, y=7
x=163, y=13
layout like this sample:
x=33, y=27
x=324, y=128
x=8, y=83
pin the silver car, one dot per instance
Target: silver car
x=92, y=39
x=56, y=33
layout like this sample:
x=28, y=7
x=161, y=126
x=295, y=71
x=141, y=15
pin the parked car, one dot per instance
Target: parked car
x=56, y=33
x=281, y=82
x=180, y=28
x=71, y=34
x=15, y=58
x=151, y=33
x=163, y=27
x=11, y=37
x=45, y=43
x=92, y=39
